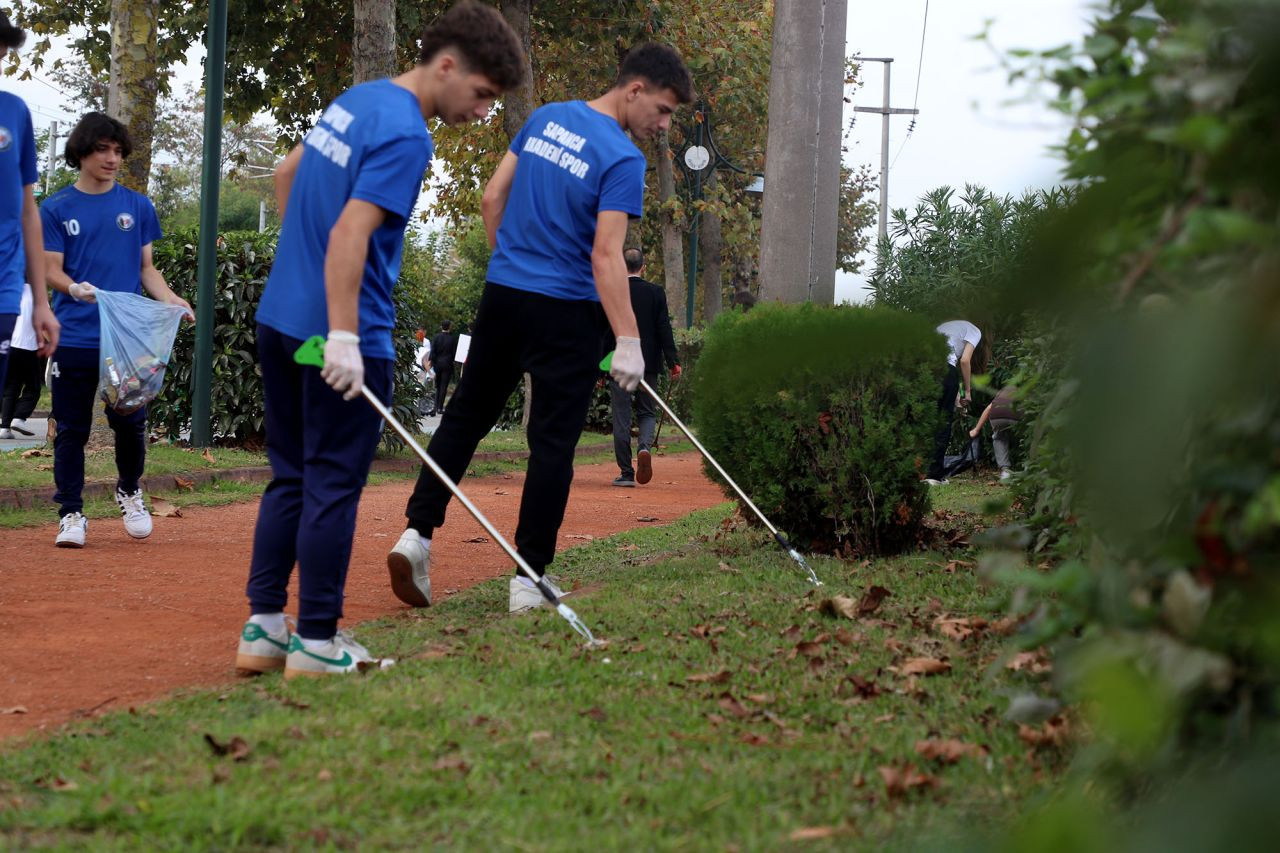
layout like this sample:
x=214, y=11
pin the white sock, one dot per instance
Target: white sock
x=273, y=623
x=426, y=542
x=524, y=580
x=308, y=643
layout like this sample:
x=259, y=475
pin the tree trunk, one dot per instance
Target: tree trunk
x=517, y=104
x=373, y=51
x=712, y=250
x=672, y=237
x=135, y=78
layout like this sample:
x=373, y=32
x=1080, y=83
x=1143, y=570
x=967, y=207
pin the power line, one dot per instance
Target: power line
x=915, y=101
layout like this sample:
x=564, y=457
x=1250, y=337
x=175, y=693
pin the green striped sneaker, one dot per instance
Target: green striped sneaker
x=260, y=651
x=340, y=655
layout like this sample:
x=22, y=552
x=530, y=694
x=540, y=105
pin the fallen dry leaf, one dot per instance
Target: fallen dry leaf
x=184, y=483
x=924, y=666
x=452, y=761
x=839, y=605
x=733, y=706
x=754, y=739
x=477, y=539
x=884, y=718
x=162, y=508
x=237, y=748
x=899, y=780
x=871, y=599
x=436, y=651
x=725, y=567
x=501, y=492
x=57, y=783
x=958, y=628
x=324, y=776
x=948, y=751
x=583, y=536
x=812, y=833
x=15, y=709
x=847, y=638
x=809, y=649
x=207, y=456
x=646, y=518
x=1035, y=662
x=709, y=677
x=1054, y=732
x=594, y=713
x=865, y=689
x=33, y=452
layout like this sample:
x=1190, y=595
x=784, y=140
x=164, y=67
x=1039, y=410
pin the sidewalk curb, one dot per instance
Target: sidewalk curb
x=29, y=498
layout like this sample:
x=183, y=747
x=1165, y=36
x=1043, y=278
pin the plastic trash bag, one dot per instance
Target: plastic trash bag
x=134, y=349
x=967, y=458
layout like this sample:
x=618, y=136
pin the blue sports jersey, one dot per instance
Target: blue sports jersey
x=101, y=237
x=574, y=162
x=17, y=171
x=371, y=144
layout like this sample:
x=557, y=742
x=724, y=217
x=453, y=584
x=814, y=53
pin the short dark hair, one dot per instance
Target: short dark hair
x=634, y=259
x=482, y=37
x=11, y=36
x=446, y=325
x=89, y=131
x=658, y=65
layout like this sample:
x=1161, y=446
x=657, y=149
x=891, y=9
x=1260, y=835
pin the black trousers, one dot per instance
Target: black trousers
x=22, y=387
x=946, y=414
x=557, y=342
x=444, y=375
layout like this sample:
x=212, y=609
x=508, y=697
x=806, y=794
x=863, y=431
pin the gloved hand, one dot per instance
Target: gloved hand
x=628, y=364
x=676, y=371
x=343, y=365
x=83, y=291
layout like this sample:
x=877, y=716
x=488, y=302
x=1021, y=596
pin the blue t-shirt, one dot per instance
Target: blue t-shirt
x=371, y=144
x=101, y=237
x=574, y=162
x=17, y=171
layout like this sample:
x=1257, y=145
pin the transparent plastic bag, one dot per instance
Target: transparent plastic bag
x=134, y=348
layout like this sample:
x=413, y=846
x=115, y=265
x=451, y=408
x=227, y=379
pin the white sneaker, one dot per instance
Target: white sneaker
x=409, y=564
x=340, y=655
x=523, y=595
x=935, y=482
x=7, y=433
x=71, y=530
x=19, y=426
x=261, y=651
x=1005, y=473
x=137, y=521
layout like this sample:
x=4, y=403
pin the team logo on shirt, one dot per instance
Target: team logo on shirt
x=125, y=222
x=6, y=138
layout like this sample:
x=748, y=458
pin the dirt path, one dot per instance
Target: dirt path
x=123, y=622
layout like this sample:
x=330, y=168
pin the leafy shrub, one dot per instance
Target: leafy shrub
x=823, y=416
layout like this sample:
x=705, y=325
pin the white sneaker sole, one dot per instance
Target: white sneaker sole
x=401, y=571
x=68, y=543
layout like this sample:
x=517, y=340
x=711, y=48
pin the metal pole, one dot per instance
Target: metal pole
x=695, y=219
x=262, y=215
x=207, y=267
x=53, y=157
x=884, y=156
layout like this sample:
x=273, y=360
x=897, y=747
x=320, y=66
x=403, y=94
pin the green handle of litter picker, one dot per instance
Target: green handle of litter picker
x=606, y=363
x=311, y=352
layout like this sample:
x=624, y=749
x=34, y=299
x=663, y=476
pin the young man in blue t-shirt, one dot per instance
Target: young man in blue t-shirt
x=97, y=236
x=556, y=211
x=346, y=194
x=21, y=258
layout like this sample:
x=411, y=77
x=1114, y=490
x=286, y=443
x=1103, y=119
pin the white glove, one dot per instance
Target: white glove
x=628, y=364
x=83, y=292
x=343, y=366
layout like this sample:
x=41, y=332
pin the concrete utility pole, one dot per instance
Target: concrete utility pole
x=884, y=111
x=802, y=162
x=53, y=157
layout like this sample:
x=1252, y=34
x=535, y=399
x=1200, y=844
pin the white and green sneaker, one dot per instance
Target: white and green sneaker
x=340, y=655
x=261, y=651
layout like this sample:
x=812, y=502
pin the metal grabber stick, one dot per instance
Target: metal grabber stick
x=312, y=353
x=777, y=535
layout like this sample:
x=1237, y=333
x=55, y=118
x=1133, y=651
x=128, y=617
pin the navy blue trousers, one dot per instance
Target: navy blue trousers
x=73, y=383
x=7, y=322
x=946, y=416
x=320, y=447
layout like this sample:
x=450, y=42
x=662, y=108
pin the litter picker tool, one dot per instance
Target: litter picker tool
x=312, y=353
x=607, y=363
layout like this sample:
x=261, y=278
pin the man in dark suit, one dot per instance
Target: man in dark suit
x=443, y=348
x=649, y=302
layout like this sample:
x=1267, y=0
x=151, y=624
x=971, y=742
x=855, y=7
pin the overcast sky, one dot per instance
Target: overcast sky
x=966, y=131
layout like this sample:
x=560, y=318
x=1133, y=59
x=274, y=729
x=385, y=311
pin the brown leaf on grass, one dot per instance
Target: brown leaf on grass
x=325, y=775
x=837, y=606
x=646, y=518
x=865, y=689
x=34, y=452
x=733, y=706
x=948, y=751
x=594, y=713
x=221, y=773
x=184, y=483
x=871, y=599
x=958, y=628
x=583, y=536
x=754, y=739
x=1035, y=662
x=14, y=709
x=44, y=467
x=207, y=456
x=716, y=719
x=709, y=677
x=760, y=698
x=452, y=761
x=725, y=567
x=237, y=748
x=809, y=649
x=57, y=783
x=435, y=651
x=1004, y=627
x=813, y=833
x=1054, y=732
x=924, y=666
x=539, y=735
x=847, y=638
x=899, y=780
x=162, y=508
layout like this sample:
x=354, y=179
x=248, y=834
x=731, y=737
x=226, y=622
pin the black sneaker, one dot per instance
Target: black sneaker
x=625, y=482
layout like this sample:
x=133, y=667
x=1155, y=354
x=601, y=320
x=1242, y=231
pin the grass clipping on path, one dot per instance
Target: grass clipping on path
x=732, y=706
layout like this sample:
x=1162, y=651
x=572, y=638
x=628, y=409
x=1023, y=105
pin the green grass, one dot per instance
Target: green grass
x=503, y=732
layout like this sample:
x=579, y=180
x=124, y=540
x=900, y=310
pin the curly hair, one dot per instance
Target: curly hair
x=89, y=131
x=659, y=65
x=484, y=39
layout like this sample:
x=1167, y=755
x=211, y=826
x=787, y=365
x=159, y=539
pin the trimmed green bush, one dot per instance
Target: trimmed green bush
x=824, y=416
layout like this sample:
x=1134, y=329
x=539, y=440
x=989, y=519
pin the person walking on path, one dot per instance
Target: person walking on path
x=1003, y=414
x=26, y=373
x=21, y=240
x=962, y=339
x=649, y=302
x=556, y=212
x=97, y=236
x=444, y=347
x=346, y=194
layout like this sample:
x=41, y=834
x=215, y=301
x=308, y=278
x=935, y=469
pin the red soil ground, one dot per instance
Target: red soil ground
x=83, y=629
